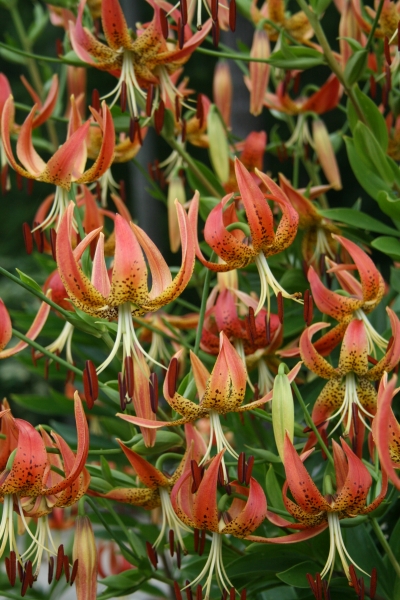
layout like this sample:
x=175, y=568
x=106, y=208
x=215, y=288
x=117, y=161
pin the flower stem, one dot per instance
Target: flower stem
x=385, y=545
x=202, y=313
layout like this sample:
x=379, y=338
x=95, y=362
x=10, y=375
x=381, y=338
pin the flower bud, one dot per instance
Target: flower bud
x=259, y=72
x=325, y=153
x=85, y=552
x=282, y=410
x=223, y=91
x=176, y=190
x=219, y=152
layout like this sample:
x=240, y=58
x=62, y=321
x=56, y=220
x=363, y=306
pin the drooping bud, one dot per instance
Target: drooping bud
x=259, y=72
x=176, y=191
x=325, y=153
x=282, y=410
x=219, y=151
x=223, y=90
x=85, y=551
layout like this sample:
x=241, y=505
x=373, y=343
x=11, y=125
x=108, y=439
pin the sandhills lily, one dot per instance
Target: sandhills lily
x=386, y=429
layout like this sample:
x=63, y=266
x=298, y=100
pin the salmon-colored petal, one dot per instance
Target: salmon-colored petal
x=252, y=514
x=200, y=373
x=141, y=396
x=354, y=350
x=114, y=25
x=61, y=168
x=311, y=358
x=148, y=475
x=25, y=150
x=308, y=214
x=161, y=275
x=392, y=356
x=386, y=430
x=292, y=538
x=180, y=55
x=205, y=509
x=182, y=499
x=100, y=278
x=106, y=153
x=325, y=99
x=49, y=104
x=5, y=92
x=330, y=303
x=353, y=495
x=83, y=244
x=150, y=423
x=5, y=326
x=259, y=72
x=146, y=498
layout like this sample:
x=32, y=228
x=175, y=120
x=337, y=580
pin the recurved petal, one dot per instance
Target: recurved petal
x=155, y=424
x=47, y=107
x=148, y=475
x=308, y=214
x=25, y=150
x=100, y=278
x=205, y=509
x=354, y=350
x=392, y=356
x=353, y=495
x=386, y=430
x=32, y=333
x=311, y=358
x=106, y=153
x=325, y=99
x=268, y=397
x=114, y=25
x=330, y=303
x=146, y=498
x=161, y=275
x=292, y=538
x=200, y=373
x=258, y=212
x=250, y=513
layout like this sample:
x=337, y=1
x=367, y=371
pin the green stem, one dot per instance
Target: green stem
x=41, y=57
x=202, y=312
x=385, y=545
x=374, y=25
x=192, y=166
x=310, y=423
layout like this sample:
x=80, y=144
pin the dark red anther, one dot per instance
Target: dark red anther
x=122, y=391
x=177, y=108
x=132, y=129
x=221, y=479
x=398, y=36
x=199, y=592
x=90, y=384
x=241, y=467
x=38, y=236
x=249, y=469
x=177, y=591
x=214, y=10
x=388, y=74
x=139, y=131
x=60, y=561
x=12, y=572
x=196, y=535
x=24, y=585
x=159, y=117
x=232, y=593
x=129, y=376
x=152, y=554
x=74, y=571
x=172, y=376
x=59, y=47
x=66, y=568
x=243, y=594
x=153, y=386
x=202, y=542
x=311, y=583
x=29, y=572
x=196, y=475
x=373, y=583
x=384, y=95
x=122, y=190
x=29, y=187
x=178, y=555
x=224, y=595
x=232, y=15
x=188, y=590
x=310, y=310
x=362, y=588
x=183, y=130
x=318, y=582
x=268, y=329
x=305, y=306
x=279, y=299
x=164, y=23
x=122, y=98
x=20, y=571
x=4, y=179
x=372, y=86
x=386, y=50
x=322, y=265
x=171, y=542
x=296, y=84
x=184, y=11
x=252, y=323
x=327, y=594
x=215, y=33
x=28, y=239
x=46, y=369
x=96, y=99
x=306, y=148
x=51, y=570
x=354, y=580
x=200, y=110
x=53, y=241
x=149, y=100
x=181, y=34
x=8, y=569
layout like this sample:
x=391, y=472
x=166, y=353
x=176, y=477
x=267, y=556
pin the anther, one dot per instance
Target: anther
x=388, y=74
x=129, y=376
x=122, y=391
x=183, y=130
x=29, y=572
x=362, y=588
x=177, y=591
x=279, y=299
x=172, y=376
x=354, y=580
x=149, y=100
x=20, y=571
x=29, y=187
x=90, y=384
x=53, y=240
x=28, y=239
x=13, y=568
x=373, y=583
x=132, y=128
x=164, y=23
x=38, y=237
x=249, y=468
x=200, y=110
x=122, y=98
x=390, y=343
x=51, y=570
x=202, y=542
x=178, y=555
x=386, y=50
x=241, y=467
x=74, y=571
x=268, y=329
x=152, y=554
x=153, y=387
x=188, y=590
x=372, y=86
x=327, y=594
x=215, y=33
x=252, y=325
x=398, y=36
x=196, y=475
x=177, y=108
x=232, y=593
x=66, y=568
x=243, y=594
x=20, y=181
x=59, y=47
x=159, y=116
x=24, y=585
x=139, y=131
x=181, y=34
x=96, y=99
x=122, y=191
x=224, y=595
x=310, y=315
x=199, y=592
x=171, y=542
x=60, y=562
x=184, y=11
x=232, y=15
x=221, y=480
x=214, y=10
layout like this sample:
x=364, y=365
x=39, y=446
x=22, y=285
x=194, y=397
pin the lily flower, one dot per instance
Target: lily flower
x=127, y=294
x=350, y=383
x=231, y=244
x=32, y=333
x=200, y=511
x=386, y=429
x=315, y=512
x=31, y=484
x=297, y=25
x=158, y=486
x=138, y=63
x=363, y=296
x=67, y=165
x=220, y=392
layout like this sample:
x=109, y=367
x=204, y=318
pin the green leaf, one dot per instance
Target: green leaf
x=274, y=490
x=297, y=57
x=165, y=440
x=29, y=281
x=388, y=245
x=372, y=115
x=370, y=181
x=296, y=576
x=355, y=66
x=389, y=203
x=357, y=219
x=40, y=404
x=36, y=28
x=371, y=152
x=195, y=184
x=206, y=206
x=395, y=284
x=320, y=6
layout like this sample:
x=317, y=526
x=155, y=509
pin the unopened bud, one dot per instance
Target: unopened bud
x=325, y=153
x=85, y=550
x=176, y=191
x=259, y=72
x=223, y=90
x=219, y=152
x=282, y=410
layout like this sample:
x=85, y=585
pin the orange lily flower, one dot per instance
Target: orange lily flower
x=231, y=246
x=138, y=63
x=200, y=511
x=386, y=429
x=32, y=486
x=296, y=25
x=127, y=294
x=315, y=512
x=350, y=383
x=32, y=333
x=364, y=296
